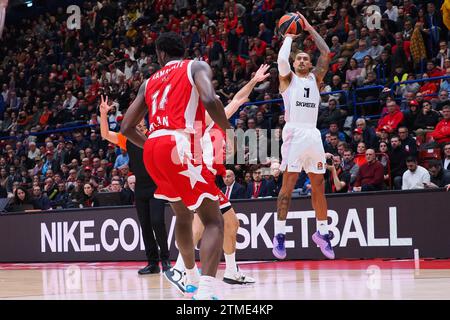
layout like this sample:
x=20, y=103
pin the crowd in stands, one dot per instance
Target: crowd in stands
x=51, y=78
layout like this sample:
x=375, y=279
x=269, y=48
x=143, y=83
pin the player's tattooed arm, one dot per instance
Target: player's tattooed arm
x=323, y=62
x=133, y=116
x=202, y=75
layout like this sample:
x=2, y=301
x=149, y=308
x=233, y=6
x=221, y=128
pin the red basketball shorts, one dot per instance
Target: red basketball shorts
x=168, y=160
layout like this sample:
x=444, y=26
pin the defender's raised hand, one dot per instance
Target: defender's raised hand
x=104, y=106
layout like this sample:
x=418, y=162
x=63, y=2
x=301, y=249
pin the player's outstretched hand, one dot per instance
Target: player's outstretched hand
x=104, y=106
x=306, y=26
x=261, y=74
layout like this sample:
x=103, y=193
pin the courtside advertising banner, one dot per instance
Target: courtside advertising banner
x=380, y=225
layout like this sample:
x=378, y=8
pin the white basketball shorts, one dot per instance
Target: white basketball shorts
x=302, y=149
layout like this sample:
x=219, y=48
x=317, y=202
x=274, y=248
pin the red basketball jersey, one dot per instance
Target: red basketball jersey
x=173, y=100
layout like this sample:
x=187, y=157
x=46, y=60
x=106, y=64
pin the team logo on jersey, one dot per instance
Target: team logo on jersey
x=319, y=165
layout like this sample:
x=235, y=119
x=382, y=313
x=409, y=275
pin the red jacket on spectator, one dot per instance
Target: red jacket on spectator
x=406, y=48
x=390, y=121
x=268, y=5
x=428, y=88
x=230, y=24
x=370, y=174
x=436, y=72
x=173, y=22
x=261, y=49
x=441, y=133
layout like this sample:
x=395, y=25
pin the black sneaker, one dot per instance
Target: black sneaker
x=176, y=278
x=151, y=268
x=166, y=265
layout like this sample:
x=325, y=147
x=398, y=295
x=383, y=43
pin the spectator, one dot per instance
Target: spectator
x=232, y=189
x=332, y=114
x=408, y=143
x=361, y=52
x=40, y=200
x=444, y=53
x=337, y=180
x=443, y=100
x=371, y=174
x=445, y=84
x=360, y=156
x=391, y=11
x=428, y=89
x=441, y=133
x=70, y=101
x=258, y=187
x=127, y=193
x=368, y=133
x=439, y=177
x=276, y=179
x=88, y=197
x=376, y=49
x=446, y=161
x=122, y=159
x=411, y=115
x=397, y=157
x=392, y=120
x=33, y=152
x=426, y=120
x=331, y=147
x=416, y=177
x=20, y=201
x=352, y=74
x=62, y=198
x=349, y=166
x=401, y=50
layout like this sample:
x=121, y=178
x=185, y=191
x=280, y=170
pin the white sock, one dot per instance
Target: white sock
x=322, y=227
x=179, y=265
x=280, y=227
x=206, y=287
x=193, y=276
x=230, y=262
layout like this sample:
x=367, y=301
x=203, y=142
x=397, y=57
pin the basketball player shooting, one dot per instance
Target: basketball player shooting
x=302, y=147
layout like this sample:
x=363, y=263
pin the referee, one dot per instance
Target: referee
x=150, y=210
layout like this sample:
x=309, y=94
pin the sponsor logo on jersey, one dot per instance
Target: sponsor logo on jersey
x=319, y=165
x=305, y=104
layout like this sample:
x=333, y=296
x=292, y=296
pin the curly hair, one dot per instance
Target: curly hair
x=171, y=43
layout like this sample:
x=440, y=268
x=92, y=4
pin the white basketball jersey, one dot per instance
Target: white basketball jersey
x=301, y=101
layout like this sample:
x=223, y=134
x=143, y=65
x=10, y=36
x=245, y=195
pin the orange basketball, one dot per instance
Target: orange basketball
x=290, y=23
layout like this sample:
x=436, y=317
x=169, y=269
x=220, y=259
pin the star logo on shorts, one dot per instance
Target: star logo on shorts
x=194, y=173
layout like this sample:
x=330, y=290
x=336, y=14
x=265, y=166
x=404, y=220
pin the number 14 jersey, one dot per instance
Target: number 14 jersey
x=173, y=100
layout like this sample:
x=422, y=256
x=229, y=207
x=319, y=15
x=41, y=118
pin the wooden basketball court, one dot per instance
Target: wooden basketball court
x=290, y=280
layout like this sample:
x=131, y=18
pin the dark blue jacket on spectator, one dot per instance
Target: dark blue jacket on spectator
x=263, y=190
x=42, y=203
x=237, y=191
x=274, y=186
x=369, y=137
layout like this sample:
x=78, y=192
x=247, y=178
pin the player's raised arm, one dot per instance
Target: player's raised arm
x=284, y=67
x=202, y=75
x=241, y=96
x=324, y=59
x=106, y=134
x=133, y=116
